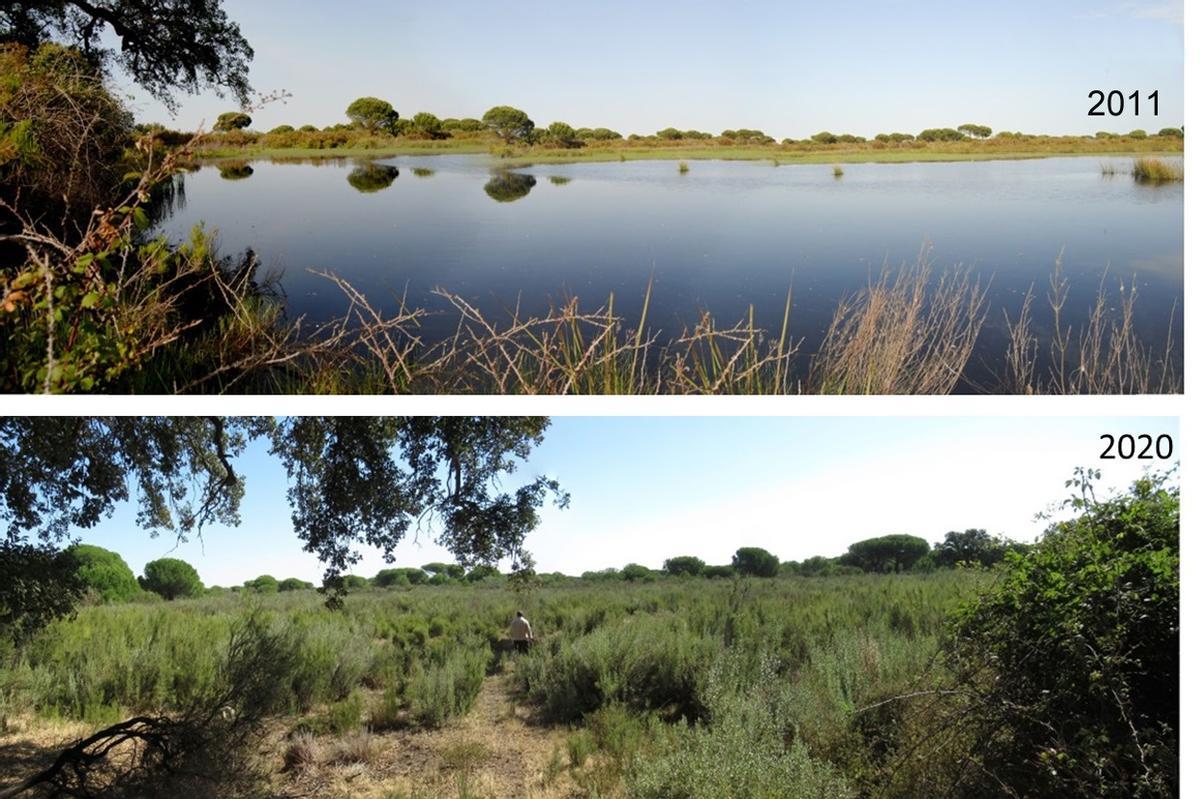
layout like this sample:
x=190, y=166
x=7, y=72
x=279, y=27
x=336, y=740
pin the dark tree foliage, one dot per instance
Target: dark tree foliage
x=166, y=45
x=172, y=578
x=105, y=573
x=390, y=577
x=508, y=187
x=510, y=124
x=755, y=562
x=636, y=572
x=263, y=584
x=294, y=584
x=37, y=585
x=969, y=547
x=887, y=553
x=232, y=120
x=370, y=178
x=1074, y=660
x=355, y=481
x=683, y=564
x=372, y=113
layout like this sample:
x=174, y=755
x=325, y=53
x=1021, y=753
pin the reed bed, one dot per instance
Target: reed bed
x=1156, y=170
x=911, y=330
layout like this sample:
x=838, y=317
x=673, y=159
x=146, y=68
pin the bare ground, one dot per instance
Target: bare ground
x=498, y=749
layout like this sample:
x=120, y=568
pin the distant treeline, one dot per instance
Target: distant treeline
x=108, y=578
x=371, y=117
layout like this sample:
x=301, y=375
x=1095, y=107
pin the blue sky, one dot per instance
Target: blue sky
x=644, y=489
x=787, y=68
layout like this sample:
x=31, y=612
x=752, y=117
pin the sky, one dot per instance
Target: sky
x=788, y=68
x=647, y=488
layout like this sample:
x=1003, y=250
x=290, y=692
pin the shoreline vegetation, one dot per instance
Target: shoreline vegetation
x=376, y=129
x=779, y=155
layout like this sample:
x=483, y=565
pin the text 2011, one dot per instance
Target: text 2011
x=1113, y=103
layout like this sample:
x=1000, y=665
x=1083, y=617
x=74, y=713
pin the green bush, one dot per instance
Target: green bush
x=755, y=562
x=294, y=584
x=426, y=126
x=1137, y=134
x=371, y=113
x=648, y=663
x=1174, y=133
x=740, y=753
x=683, y=564
x=105, y=573
x=1073, y=661
x=232, y=120
x=263, y=584
x=171, y=578
x=390, y=578
x=447, y=687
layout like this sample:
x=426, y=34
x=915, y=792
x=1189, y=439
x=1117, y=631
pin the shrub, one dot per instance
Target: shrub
x=371, y=113
x=442, y=690
x=683, y=564
x=1073, y=661
x=824, y=137
x=232, y=120
x=482, y=572
x=426, y=126
x=940, y=134
x=278, y=129
x=756, y=562
x=561, y=134
x=263, y=584
x=510, y=124
x=648, y=663
x=105, y=573
x=62, y=132
x=294, y=584
x=740, y=753
x=719, y=571
x=1174, y=133
x=389, y=578
x=670, y=134
x=345, y=715
x=171, y=578
x=635, y=572
x=886, y=553
x=1137, y=134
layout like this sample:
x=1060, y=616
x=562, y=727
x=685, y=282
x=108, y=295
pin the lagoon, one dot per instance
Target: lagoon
x=720, y=237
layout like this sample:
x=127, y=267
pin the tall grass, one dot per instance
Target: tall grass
x=905, y=333
x=1156, y=170
x=1104, y=355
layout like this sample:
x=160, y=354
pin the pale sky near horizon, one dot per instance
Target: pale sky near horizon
x=790, y=69
x=647, y=488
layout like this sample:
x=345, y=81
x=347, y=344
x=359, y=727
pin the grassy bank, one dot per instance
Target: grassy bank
x=998, y=149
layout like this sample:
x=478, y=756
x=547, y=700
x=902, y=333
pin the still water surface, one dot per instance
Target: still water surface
x=725, y=235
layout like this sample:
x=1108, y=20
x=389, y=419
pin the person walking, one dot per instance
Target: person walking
x=521, y=633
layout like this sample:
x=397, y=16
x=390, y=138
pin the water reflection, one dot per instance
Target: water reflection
x=368, y=178
x=509, y=187
x=423, y=172
x=559, y=180
x=238, y=171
